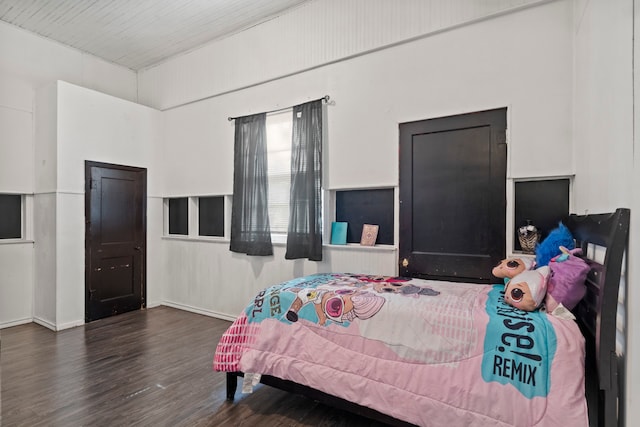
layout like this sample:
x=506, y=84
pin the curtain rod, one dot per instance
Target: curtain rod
x=324, y=98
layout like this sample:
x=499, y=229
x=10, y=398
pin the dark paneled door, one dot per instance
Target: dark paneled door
x=115, y=239
x=453, y=196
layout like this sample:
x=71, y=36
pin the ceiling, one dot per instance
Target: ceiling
x=139, y=33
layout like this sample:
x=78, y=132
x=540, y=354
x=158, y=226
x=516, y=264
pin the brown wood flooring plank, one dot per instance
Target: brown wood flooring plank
x=143, y=368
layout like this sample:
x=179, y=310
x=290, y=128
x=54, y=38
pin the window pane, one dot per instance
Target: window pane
x=211, y=216
x=543, y=203
x=179, y=216
x=358, y=207
x=10, y=216
x=279, y=128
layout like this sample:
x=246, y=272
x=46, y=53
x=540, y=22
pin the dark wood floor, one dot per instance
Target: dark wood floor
x=149, y=367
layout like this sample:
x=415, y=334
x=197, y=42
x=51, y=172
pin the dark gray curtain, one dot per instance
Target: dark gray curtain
x=304, y=236
x=250, y=233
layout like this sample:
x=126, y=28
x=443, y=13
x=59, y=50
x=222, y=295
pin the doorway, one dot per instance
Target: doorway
x=115, y=239
x=453, y=196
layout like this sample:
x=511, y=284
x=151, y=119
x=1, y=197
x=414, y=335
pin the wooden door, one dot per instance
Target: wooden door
x=453, y=196
x=115, y=239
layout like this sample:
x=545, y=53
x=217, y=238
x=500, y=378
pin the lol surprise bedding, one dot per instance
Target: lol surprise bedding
x=426, y=352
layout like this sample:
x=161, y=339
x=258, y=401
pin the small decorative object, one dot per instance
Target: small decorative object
x=369, y=234
x=528, y=236
x=339, y=233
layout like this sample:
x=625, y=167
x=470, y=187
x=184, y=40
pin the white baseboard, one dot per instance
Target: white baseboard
x=15, y=323
x=49, y=325
x=209, y=313
x=45, y=323
x=69, y=325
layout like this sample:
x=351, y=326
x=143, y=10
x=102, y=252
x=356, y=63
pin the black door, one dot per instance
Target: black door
x=115, y=212
x=453, y=196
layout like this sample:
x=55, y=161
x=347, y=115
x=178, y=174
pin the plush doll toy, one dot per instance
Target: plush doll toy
x=510, y=267
x=550, y=246
x=527, y=290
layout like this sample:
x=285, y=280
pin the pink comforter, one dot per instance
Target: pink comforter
x=427, y=352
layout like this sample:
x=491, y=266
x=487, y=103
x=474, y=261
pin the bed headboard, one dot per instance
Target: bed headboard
x=606, y=236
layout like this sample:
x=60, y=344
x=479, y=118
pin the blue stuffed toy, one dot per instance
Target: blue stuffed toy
x=550, y=246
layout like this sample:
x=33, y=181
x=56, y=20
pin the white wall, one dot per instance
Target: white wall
x=28, y=64
x=207, y=278
x=604, y=145
x=603, y=105
x=312, y=35
x=155, y=224
x=45, y=160
x=38, y=61
x=16, y=289
x=16, y=176
x=98, y=127
x=470, y=68
x=74, y=124
x=633, y=316
x=16, y=136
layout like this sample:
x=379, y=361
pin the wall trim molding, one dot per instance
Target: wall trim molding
x=45, y=323
x=204, y=312
x=11, y=323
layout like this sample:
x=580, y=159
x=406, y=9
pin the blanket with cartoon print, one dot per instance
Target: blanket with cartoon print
x=426, y=352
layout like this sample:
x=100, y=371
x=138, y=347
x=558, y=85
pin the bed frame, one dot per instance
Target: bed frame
x=598, y=310
x=596, y=315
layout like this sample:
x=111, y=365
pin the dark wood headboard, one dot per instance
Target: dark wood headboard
x=597, y=312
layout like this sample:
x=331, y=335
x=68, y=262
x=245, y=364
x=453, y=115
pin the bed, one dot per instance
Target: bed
x=408, y=351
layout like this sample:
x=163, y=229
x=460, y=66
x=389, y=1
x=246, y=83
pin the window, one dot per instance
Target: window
x=544, y=203
x=370, y=206
x=10, y=216
x=262, y=212
x=279, y=128
x=194, y=216
x=211, y=216
x=179, y=216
